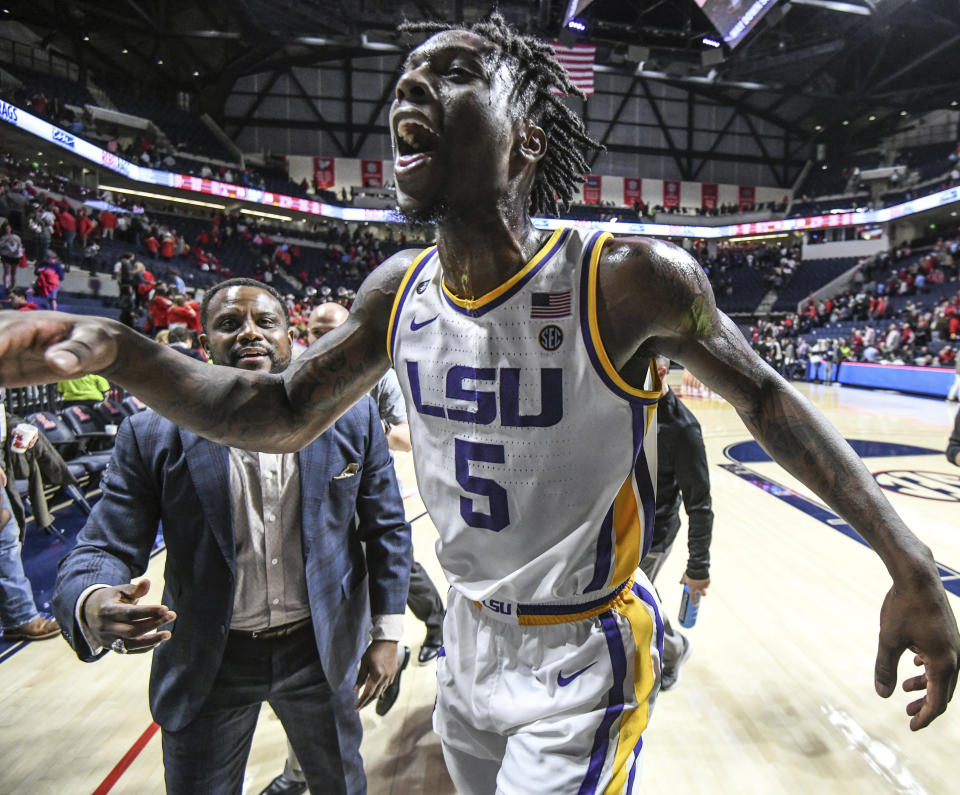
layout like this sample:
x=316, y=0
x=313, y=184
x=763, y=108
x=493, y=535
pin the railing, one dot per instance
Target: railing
x=28, y=399
x=46, y=62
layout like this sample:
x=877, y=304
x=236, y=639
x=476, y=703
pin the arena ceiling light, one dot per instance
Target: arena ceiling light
x=267, y=215
x=765, y=237
x=573, y=10
x=163, y=196
x=834, y=5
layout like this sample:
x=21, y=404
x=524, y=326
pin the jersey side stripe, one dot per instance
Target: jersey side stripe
x=631, y=526
x=626, y=524
x=648, y=499
x=646, y=630
x=503, y=293
x=408, y=279
x=601, y=739
x=601, y=568
x=591, y=329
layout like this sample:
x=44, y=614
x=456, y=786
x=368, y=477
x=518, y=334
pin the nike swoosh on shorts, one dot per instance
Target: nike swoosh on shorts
x=414, y=326
x=563, y=681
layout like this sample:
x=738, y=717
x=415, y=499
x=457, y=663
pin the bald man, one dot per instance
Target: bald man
x=386, y=394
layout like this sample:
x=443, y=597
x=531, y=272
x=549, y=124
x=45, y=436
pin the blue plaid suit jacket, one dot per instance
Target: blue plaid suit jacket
x=352, y=527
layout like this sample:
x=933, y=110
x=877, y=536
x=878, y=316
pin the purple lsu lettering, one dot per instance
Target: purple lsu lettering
x=504, y=608
x=485, y=402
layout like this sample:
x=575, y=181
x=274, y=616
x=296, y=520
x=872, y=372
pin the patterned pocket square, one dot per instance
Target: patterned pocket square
x=349, y=472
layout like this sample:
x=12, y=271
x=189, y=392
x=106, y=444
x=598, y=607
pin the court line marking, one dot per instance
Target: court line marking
x=127, y=759
x=949, y=576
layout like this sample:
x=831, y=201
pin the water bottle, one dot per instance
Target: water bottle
x=688, y=609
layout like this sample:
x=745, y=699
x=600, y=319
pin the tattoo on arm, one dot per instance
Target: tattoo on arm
x=797, y=436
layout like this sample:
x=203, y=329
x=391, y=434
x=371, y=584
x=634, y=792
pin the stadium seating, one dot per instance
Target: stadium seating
x=809, y=277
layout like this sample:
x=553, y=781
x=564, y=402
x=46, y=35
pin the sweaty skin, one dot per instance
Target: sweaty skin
x=475, y=177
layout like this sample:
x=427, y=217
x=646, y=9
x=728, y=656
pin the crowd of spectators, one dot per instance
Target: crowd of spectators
x=161, y=260
x=768, y=265
x=148, y=147
x=903, y=308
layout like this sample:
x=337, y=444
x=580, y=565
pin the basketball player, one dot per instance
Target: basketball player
x=524, y=357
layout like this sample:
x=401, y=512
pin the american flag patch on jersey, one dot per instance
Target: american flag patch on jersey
x=551, y=304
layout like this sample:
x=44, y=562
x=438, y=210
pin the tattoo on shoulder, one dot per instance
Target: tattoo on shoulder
x=683, y=287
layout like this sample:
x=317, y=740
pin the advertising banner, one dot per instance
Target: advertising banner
x=632, y=191
x=671, y=193
x=591, y=189
x=708, y=196
x=372, y=171
x=323, y=172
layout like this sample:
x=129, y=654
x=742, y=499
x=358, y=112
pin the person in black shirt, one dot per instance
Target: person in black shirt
x=682, y=476
x=953, y=446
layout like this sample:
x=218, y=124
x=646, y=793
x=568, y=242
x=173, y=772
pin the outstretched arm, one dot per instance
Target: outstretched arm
x=256, y=411
x=680, y=320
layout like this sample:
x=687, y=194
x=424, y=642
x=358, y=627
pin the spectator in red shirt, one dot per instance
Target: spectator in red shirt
x=152, y=245
x=179, y=314
x=68, y=231
x=144, y=282
x=167, y=247
x=85, y=227
x=18, y=300
x=158, y=309
x=195, y=306
x=108, y=224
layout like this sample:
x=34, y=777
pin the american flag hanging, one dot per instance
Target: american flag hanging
x=551, y=304
x=578, y=61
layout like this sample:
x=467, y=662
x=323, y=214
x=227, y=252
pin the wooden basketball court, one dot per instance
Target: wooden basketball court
x=777, y=696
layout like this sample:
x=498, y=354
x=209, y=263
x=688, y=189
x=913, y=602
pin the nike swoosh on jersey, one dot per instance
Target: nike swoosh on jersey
x=414, y=326
x=563, y=681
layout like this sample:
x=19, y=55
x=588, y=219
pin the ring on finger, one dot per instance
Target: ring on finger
x=119, y=646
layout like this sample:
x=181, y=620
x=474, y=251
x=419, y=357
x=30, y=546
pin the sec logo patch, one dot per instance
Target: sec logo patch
x=550, y=338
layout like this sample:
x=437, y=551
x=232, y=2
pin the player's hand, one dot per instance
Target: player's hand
x=378, y=666
x=917, y=617
x=42, y=347
x=697, y=588
x=112, y=613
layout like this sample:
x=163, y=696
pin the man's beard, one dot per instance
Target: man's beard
x=276, y=364
x=422, y=217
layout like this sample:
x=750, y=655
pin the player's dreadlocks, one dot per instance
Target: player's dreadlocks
x=561, y=170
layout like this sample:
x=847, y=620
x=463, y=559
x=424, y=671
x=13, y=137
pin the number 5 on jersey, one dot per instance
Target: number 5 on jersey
x=499, y=516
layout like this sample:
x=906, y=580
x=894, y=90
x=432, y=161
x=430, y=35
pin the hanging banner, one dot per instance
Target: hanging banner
x=372, y=171
x=671, y=193
x=632, y=192
x=591, y=189
x=323, y=172
x=748, y=194
x=708, y=196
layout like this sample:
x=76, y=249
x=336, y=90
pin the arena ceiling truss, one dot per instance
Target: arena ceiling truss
x=275, y=73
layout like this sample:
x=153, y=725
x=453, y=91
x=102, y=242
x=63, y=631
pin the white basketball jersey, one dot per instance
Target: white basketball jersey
x=535, y=460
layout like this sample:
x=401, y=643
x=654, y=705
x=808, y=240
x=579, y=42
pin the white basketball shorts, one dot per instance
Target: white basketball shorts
x=558, y=695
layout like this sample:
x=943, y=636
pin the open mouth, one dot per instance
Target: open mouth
x=252, y=353
x=416, y=141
